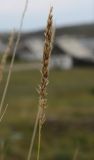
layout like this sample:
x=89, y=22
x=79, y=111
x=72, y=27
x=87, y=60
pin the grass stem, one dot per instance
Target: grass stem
x=13, y=57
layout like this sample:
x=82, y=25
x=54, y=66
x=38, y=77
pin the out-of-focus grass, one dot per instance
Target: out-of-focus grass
x=70, y=115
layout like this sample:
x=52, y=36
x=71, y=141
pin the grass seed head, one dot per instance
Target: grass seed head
x=48, y=43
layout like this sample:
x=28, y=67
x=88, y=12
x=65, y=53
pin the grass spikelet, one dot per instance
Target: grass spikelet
x=5, y=55
x=40, y=119
x=45, y=70
x=44, y=75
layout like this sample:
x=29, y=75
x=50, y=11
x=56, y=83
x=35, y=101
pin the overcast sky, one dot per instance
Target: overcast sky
x=66, y=12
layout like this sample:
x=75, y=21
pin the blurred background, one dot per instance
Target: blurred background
x=68, y=133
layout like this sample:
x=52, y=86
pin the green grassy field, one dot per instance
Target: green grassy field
x=70, y=115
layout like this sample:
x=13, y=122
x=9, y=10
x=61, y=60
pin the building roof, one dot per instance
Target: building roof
x=75, y=48
x=77, y=41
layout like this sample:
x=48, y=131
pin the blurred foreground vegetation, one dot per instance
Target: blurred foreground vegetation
x=70, y=115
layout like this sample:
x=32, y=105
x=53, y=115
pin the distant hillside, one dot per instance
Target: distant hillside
x=82, y=30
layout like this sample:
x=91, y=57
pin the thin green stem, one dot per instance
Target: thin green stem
x=76, y=154
x=33, y=136
x=39, y=141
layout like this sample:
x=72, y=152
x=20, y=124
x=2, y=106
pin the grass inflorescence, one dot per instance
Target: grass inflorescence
x=48, y=43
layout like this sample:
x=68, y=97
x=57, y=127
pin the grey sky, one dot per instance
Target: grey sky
x=66, y=12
